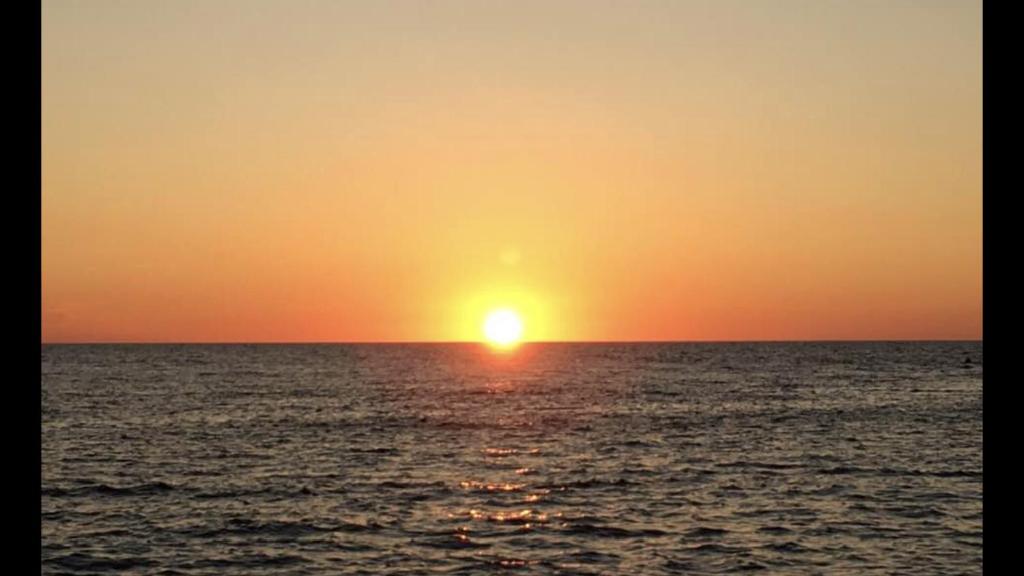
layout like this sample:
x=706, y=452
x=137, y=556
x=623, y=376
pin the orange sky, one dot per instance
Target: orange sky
x=389, y=171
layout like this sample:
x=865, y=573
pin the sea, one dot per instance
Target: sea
x=554, y=458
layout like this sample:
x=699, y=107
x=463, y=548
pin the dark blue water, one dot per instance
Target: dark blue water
x=809, y=458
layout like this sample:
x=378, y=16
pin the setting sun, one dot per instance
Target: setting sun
x=503, y=328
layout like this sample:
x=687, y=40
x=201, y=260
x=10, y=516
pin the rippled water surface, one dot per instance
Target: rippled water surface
x=558, y=458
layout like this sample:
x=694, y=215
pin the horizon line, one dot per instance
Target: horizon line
x=464, y=342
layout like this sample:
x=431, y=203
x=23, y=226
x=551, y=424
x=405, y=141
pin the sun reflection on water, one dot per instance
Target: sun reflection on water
x=490, y=487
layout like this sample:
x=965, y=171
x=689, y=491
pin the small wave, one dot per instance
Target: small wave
x=417, y=486
x=932, y=496
x=278, y=528
x=714, y=548
x=591, y=483
x=235, y=493
x=828, y=490
x=373, y=450
x=505, y=452
x=840, y=470
x=610, y=531
x=775, y=530
x=258, y=561
x=144, y=489
x=456, y=541
x=765, y=465
x=520, y=517
x=705, y=531
x=787, y=547
x=909, y=512
x=490, y=487
x=508, y=563
x=678, y=566
x=83, y=561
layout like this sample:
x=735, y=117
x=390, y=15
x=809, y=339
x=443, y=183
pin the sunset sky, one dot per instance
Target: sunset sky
x=283, y=170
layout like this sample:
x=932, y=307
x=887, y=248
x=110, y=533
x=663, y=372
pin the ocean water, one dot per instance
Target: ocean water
x=784, y=458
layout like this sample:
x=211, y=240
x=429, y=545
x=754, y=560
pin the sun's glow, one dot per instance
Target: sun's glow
x=503, y=328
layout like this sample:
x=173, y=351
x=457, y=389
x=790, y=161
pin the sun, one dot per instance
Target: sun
x=503, y=328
